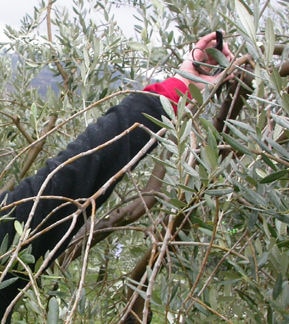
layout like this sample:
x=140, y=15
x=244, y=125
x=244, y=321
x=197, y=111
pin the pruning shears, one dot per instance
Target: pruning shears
x=198, y=65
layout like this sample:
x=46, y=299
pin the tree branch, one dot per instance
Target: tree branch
x=234, y=101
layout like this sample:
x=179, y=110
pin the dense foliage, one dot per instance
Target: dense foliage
x=209, y=241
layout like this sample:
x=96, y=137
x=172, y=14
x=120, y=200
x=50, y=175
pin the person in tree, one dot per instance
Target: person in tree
x=82, y=177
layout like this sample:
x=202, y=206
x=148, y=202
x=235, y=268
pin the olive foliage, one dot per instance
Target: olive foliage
x=214, y=242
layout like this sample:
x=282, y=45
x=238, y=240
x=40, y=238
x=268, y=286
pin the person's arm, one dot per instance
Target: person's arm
x=170, y=88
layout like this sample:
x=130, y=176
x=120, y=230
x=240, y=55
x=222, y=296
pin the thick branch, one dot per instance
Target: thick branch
x=234, y=101
x=36, y=149
x=284, y=69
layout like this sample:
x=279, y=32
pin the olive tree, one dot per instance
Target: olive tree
x=198, y=232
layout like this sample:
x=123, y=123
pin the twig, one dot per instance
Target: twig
x=36, y=149
x=157, y=267
x=43, y=266
x=18, y=124
x=84, y=266
x=205, y=259
x=33, y=283
x=140, y=276
x=213, y=311
x=230, y=251
x=219, y=247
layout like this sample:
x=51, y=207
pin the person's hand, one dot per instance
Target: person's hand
x=199, y=54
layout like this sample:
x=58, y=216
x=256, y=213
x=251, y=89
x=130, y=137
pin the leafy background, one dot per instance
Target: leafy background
x=210, y=242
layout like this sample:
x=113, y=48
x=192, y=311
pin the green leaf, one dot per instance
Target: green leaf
x=82, y=302
x=53, y=311
x=240, y=124
x=218, y=56
x=136, y=46
x=134, y=287
x=168, y=144
x=27, y=258
x=270, y=39
x=262, y=144
x=177, y=203
x=281, y=228
x=18, y=227
x=281, y=120
x=7, y=283
x=185, y=131
x=236, y=145
x=212, y=142
x=274, y=176
x=209, y=157
x=170, y=36
x=158, y=122
x=175, y=289
x=196, y=93
x=237, y=132
x=276, y=80
x=268, y=161
x=246, y=19
x=191, y=171
x=219, y=192
x=264, y=101
x=285, y=102
x=34, y=111
x=208, y=125
x=86, y=58
x=181, y=108
x=279, y=148
x=282, y=217
x=165, y=163
x=4, y=245
x=191, y=77
x=158, y=5
x=254, y=197
x=277, y=289
x=270, y=315
x=168, y=108
x=251, y=302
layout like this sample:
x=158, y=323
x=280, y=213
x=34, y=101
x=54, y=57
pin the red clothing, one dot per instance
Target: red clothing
x=168, y=88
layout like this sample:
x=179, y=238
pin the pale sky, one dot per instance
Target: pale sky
x=14, y=10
